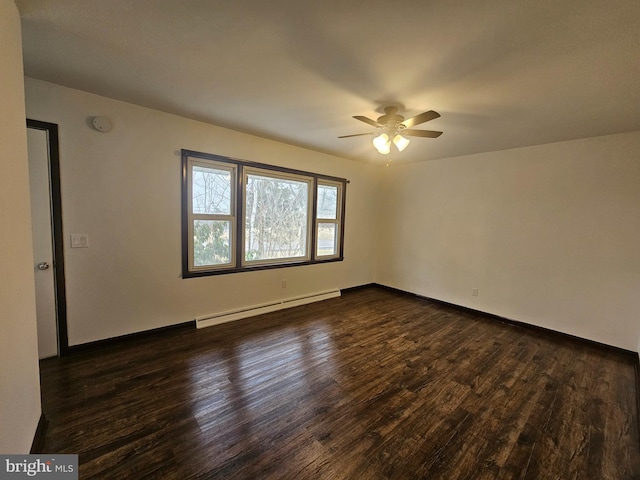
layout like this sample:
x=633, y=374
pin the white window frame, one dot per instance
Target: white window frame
x=278, y=176
x=232, y=217
x=336, y=221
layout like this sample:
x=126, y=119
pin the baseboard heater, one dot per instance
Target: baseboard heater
x=230, y=316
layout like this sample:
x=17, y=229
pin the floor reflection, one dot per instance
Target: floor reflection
x=238, y=386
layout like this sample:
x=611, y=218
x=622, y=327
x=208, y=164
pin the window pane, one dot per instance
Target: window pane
x=276, y=218
x=327, y=239
x=211, y=189
x=327, y=202
x=211, y=245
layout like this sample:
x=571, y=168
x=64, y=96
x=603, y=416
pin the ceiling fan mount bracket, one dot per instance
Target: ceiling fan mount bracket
x=391, y=118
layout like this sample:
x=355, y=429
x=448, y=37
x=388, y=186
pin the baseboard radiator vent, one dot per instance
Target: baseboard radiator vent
x=230, y=316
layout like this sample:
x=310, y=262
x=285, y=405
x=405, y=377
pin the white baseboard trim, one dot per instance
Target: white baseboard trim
x=232, y=315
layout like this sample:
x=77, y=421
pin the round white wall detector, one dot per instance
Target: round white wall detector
x=102, y=124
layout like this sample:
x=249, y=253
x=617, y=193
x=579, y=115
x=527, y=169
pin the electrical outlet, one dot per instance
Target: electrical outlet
x=474, y=292
x=284, y=283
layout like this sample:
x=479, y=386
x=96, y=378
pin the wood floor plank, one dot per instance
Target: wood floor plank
x=372, y=385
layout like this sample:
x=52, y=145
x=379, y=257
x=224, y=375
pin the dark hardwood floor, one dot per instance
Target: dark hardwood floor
x=372, y=385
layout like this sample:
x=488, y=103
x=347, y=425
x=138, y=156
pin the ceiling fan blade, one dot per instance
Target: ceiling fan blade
x=418, y=119
x=356, y=135
x=421, y=133
x=367, y=120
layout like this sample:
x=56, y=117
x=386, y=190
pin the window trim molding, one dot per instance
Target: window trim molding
x=238, y=235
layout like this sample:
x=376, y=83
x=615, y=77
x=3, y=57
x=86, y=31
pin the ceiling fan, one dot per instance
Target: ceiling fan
x=392, y=127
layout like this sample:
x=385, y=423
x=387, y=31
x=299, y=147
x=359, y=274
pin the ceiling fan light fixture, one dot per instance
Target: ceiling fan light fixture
x=394, y=128
x=400, y=142
x=382, y=143
x=386, y=149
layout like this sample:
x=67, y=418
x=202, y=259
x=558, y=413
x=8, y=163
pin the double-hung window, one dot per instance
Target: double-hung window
x=213, y=221
x=328, y=226
x=239, y=216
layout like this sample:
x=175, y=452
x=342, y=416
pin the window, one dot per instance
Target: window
x=328, y=219
x=213, y=219
x=240, y=216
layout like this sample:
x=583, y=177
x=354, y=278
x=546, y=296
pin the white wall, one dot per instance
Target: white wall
x=123, y=189
x=548, y=234
x=19, y=376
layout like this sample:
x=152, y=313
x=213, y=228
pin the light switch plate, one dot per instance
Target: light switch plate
x=79, y=240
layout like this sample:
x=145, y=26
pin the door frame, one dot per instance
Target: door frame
x=56, y=231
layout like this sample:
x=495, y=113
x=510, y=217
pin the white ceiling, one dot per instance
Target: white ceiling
x=502, y=73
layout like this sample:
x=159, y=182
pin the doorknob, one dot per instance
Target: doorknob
x=43, y=266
